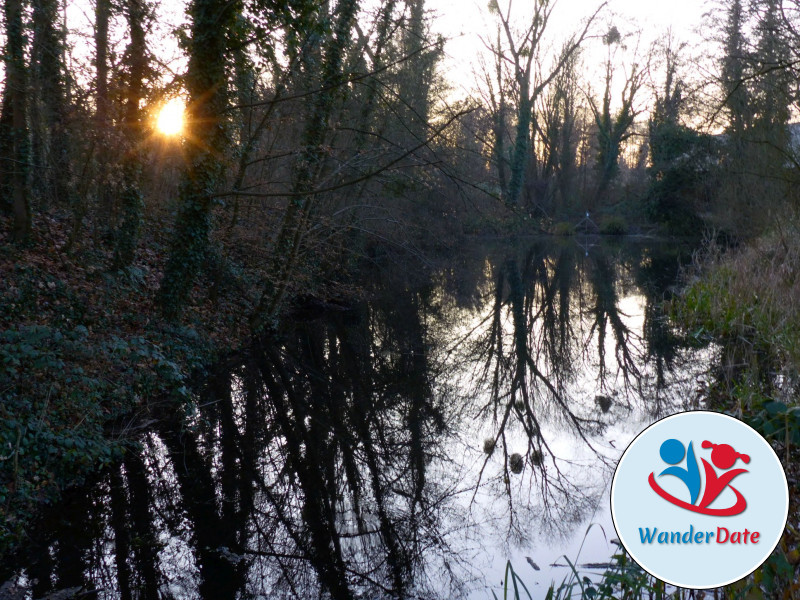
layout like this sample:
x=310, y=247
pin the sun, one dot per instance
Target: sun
x=169, y=120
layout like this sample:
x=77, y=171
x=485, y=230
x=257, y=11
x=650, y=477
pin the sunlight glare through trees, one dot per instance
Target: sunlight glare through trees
x=169, y=120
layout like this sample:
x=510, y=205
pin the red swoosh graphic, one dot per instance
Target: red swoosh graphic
x=737, y=508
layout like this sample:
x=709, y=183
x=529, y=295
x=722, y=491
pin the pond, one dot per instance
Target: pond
x=404, y=447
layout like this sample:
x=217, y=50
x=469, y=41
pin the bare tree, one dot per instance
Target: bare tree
x=306, y=171
x=558, y=131
x=615, y=129
x=495, y=80
x=524, y=51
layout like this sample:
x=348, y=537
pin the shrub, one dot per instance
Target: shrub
x=564, y=228
x=613, y=226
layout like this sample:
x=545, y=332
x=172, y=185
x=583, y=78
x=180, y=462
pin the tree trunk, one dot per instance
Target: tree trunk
x=522, y=143
x=300, y=204
x=383, y=36
x=206, y=81
x=49, y=77
x=15, y=163
x=6, y=124
x=499, y=145
x=102, y=113
x=132, y=203
x=415, y=82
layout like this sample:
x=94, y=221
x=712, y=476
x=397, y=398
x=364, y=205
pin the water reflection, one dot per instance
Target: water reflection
x=389, y=449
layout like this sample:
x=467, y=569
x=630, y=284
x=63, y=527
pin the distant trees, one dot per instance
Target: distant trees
x=736, y=181
x=542, y=144
x=681, y=159
x=553, y=141
x=772, y=89
x=416, y=74
x=614, y=128
x=524, y=54
x=736, y=96
x=755, y=82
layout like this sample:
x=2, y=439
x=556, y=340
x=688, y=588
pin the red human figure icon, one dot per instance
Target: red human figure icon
x=724, y=457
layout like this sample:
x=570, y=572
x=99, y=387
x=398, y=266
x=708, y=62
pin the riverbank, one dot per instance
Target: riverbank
x=84, y=355
x=748, y=301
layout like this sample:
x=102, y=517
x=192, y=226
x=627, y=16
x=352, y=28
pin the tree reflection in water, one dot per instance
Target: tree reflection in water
x=344, y=457
x=553, y=353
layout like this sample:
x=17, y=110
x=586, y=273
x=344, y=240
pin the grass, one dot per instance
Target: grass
x=752, y=292
x=748, y=302
x=626, y=580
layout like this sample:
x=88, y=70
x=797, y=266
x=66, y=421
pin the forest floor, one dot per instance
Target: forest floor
x=83, y=355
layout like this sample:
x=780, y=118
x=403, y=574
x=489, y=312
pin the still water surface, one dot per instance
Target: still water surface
x=406, y=447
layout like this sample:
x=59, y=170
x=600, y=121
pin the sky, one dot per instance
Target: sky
x=463, y=22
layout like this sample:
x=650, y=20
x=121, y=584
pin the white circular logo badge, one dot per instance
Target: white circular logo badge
x=699, y=499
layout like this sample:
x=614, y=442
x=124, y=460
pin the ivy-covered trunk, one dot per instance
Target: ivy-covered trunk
x=608, y=150
x=206, y=81
x=48, y=43
x=131, y=196
x=519, y=158
x=14, y=123
x=102, y=105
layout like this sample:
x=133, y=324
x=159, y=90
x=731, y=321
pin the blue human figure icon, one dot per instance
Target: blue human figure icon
x=672, y=452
